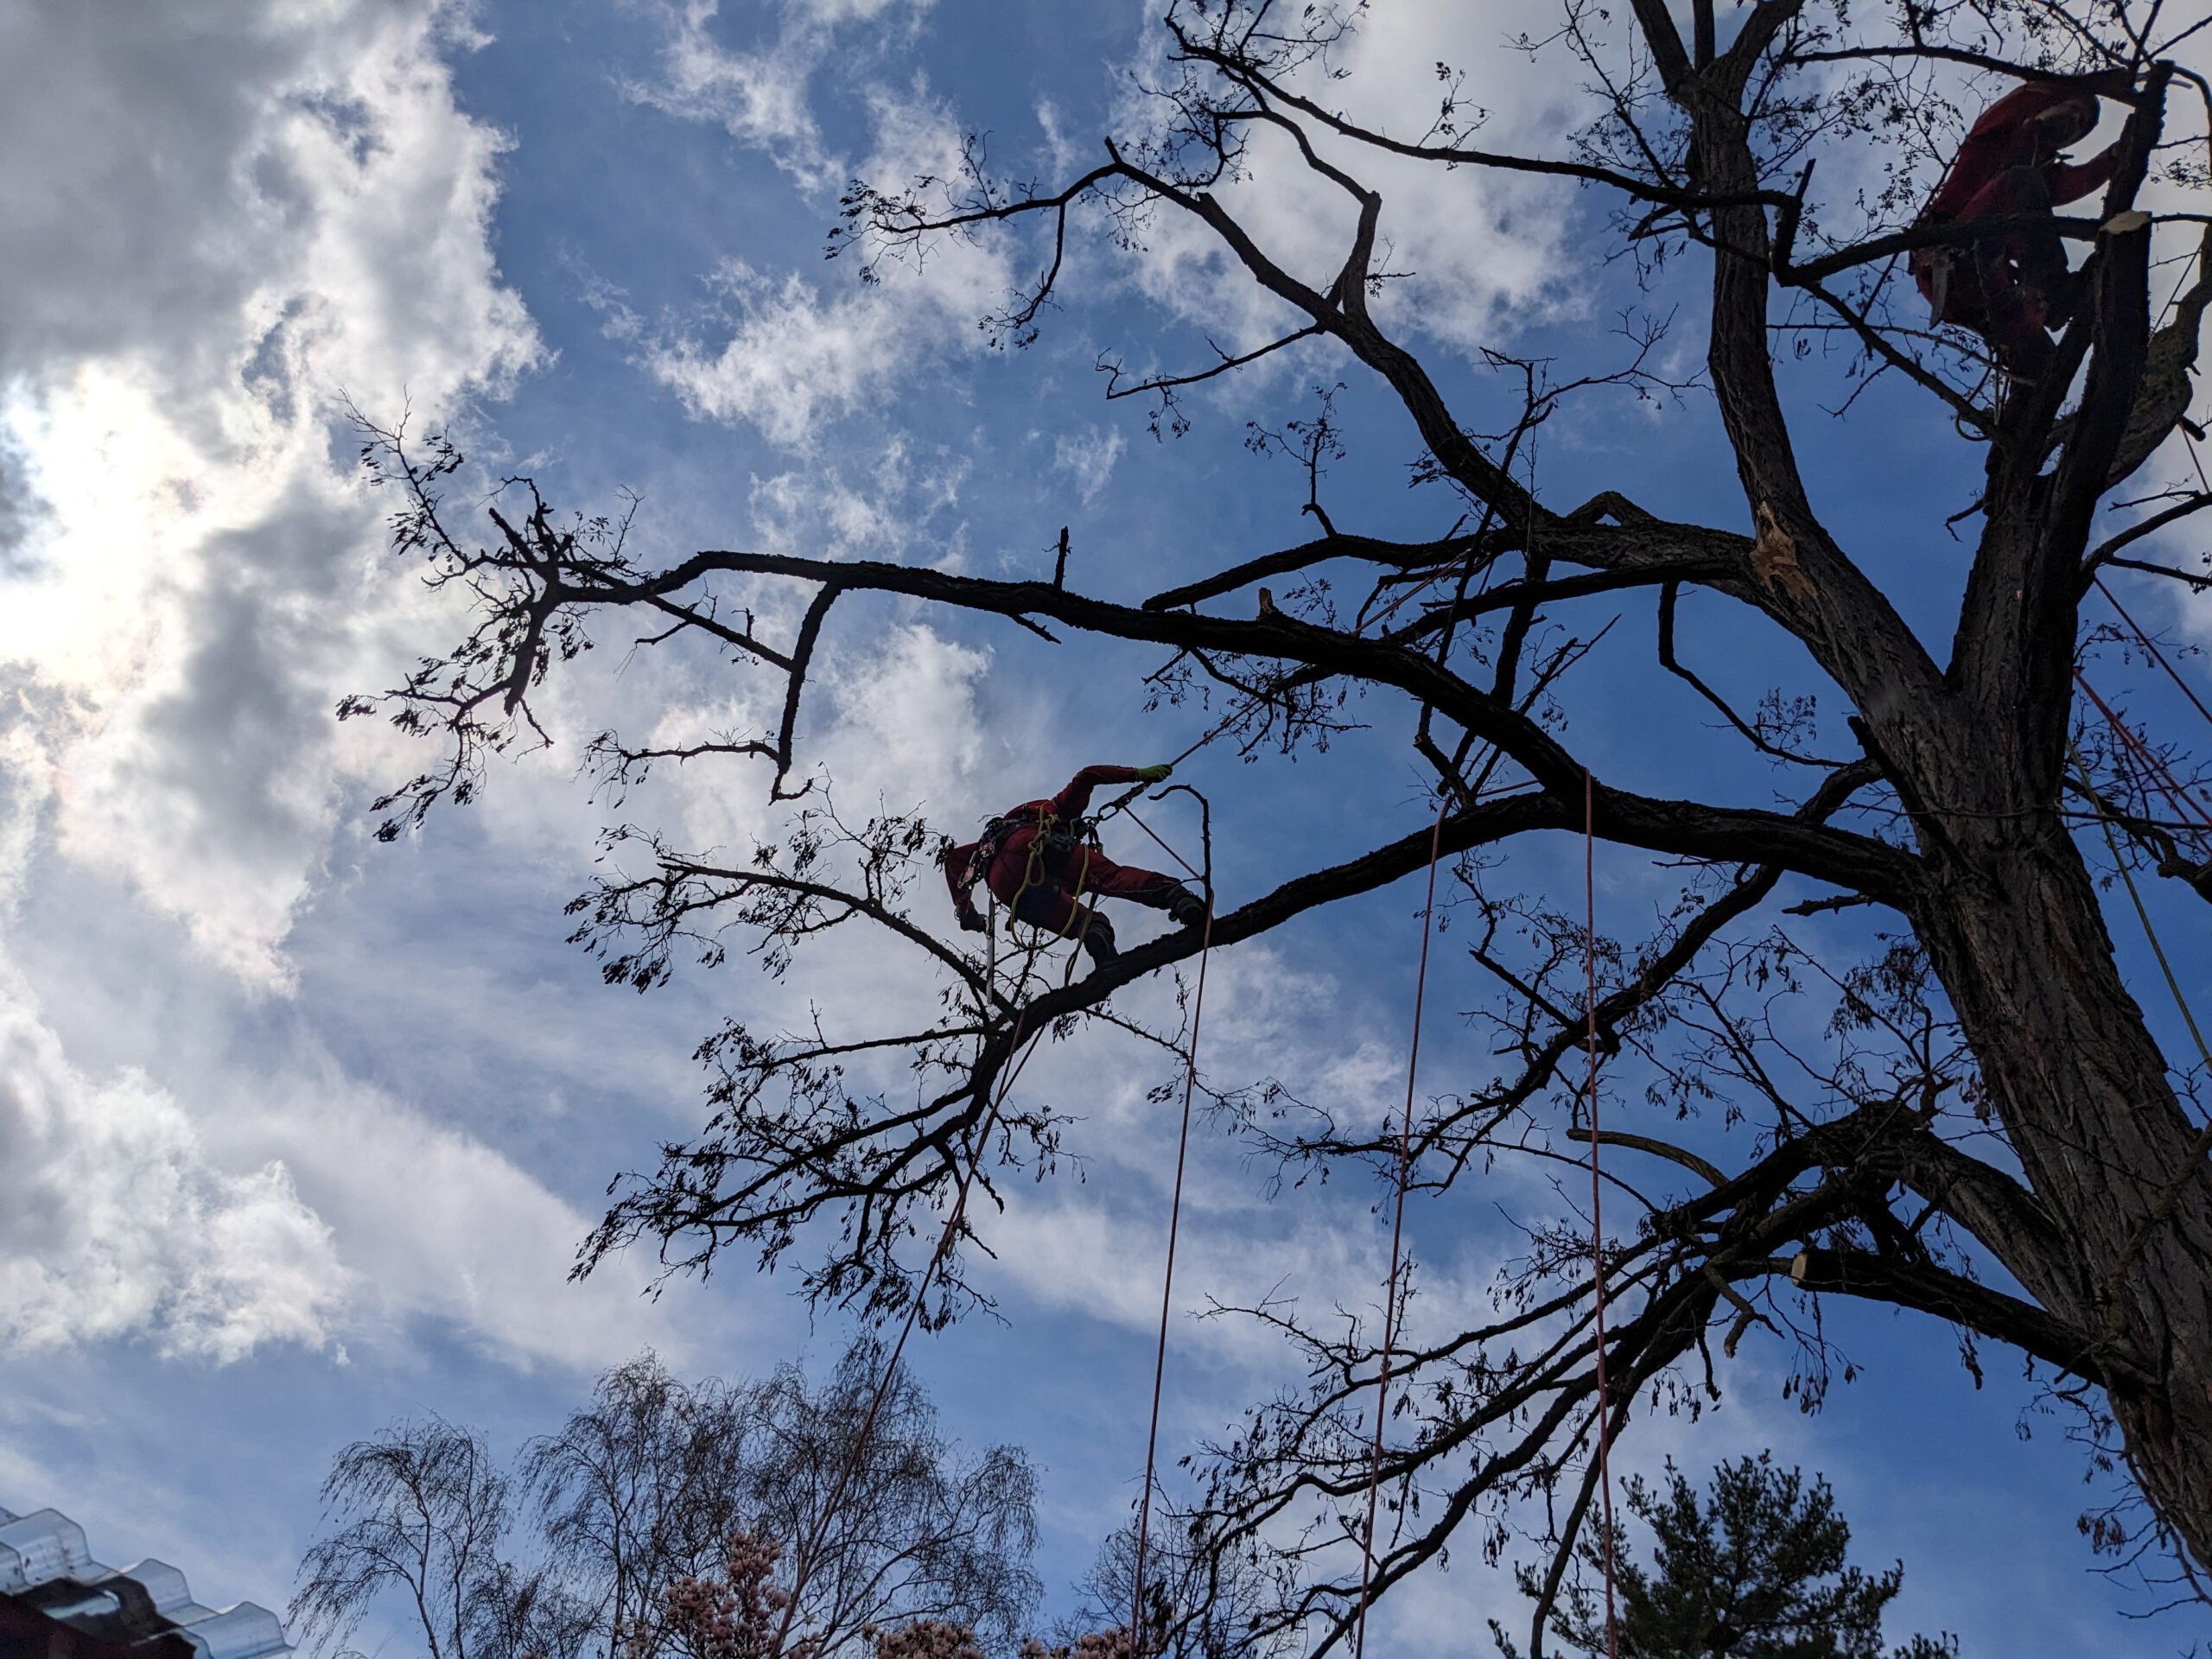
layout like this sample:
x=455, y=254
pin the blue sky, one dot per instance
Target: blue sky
x=309, y=1126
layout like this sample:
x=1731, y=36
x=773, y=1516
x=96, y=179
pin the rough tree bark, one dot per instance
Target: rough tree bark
x=2004, y=903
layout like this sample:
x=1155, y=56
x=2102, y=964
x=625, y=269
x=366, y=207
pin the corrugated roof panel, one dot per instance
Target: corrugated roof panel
x=44, y=1557
x=244, y=1631
x=172, y=1597
x=43, y=1545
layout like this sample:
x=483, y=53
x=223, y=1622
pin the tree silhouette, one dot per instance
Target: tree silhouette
x=1961, y=1111
x=1759, y=1570
x=701, y=1521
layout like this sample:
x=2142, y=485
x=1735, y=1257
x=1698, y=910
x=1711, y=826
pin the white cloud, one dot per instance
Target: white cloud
x=440, y=1227
x=234, y=1204
x=761, y=97
x=117, y=1222
x=291, y=203
x=1473, y=253
x=788, y=355
x=795, y=359
x=906, y=722
x=798, y=355
x=308, y=209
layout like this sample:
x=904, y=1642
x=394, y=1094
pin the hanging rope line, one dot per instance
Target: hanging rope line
x=1597, y=1200
x=1177, y=856
x=2151, y=646
x=2184, y=804
x=2143, y=913
x=2168, y=786
x=1397, y=1240
x=1174, y=1227
x=1122, y=805
x=1018, y=1055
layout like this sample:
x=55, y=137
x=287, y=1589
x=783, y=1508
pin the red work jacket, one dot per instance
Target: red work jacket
x=1009, y=858
x=2003, y=139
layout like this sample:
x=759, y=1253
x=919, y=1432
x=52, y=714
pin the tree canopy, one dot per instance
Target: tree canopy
x=1958, y=1109
x=804, y=1515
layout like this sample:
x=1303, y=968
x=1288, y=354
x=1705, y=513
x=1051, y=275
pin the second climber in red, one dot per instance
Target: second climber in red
x=1041, y=860
x=2010, y=285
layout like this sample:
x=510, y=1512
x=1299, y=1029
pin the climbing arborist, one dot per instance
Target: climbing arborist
x=2011, y=285
x=1037, y=858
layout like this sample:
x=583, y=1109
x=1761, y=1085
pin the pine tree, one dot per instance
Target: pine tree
x=1758, y=1571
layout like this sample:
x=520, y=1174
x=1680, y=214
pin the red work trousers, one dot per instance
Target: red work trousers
x=2015, y=284
x=1048, y=900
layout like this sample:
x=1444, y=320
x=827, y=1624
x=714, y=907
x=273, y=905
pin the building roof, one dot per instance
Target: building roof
x=45, y=1563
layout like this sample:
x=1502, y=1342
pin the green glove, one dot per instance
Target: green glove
x=1154, y=774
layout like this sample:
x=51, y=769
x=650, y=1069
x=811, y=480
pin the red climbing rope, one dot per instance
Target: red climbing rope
x=1397, y=1238
x=2147, y=756
x=1596, y=1228
x=2151, y=646
x=1165, y=848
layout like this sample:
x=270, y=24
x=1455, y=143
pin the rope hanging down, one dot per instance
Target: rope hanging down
x=2131, y=742
x=1020, y=1058
x=803, y=1566
x=2142, y=911
x=1397, y=1241
x=1175, y=1221
x=2151, y=646
x=1597, y=1226
x=1018, y=1054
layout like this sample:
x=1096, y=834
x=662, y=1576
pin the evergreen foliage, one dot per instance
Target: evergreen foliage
x=1755, y=1570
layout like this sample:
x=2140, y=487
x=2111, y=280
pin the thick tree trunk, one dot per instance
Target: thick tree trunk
x=2014, y=930
x=2006, y=912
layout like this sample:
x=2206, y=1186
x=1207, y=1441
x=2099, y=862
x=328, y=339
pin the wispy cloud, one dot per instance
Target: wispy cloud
x=762, y=94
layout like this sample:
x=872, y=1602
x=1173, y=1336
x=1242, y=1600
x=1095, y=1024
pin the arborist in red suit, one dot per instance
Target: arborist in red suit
x=1037, y=858
x=2012, y=286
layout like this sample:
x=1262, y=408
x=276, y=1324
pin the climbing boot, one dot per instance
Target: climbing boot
x=1185, y=908
x=1098, y=940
